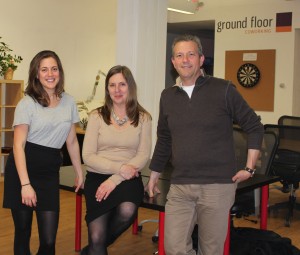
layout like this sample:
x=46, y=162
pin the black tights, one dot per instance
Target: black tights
x=47, y=226
x=104, y=230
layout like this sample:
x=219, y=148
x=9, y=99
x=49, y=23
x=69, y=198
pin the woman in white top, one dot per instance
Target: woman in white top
x=44, y=120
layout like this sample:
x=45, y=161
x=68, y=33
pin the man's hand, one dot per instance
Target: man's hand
x=241, y=175
x=151, y=186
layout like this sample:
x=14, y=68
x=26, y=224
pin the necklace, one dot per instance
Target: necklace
x=119, y=121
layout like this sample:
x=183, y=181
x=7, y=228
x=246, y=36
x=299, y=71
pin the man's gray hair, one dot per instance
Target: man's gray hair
x=188, y=38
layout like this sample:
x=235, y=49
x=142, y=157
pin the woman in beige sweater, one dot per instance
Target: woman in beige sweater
x=116, y=147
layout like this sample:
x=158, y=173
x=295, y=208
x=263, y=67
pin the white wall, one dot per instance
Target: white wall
x=92, y=35
x=82, y=33
x=236, y=39
x=296, y=92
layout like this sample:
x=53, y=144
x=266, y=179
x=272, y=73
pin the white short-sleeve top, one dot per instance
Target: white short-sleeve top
x=47, y=126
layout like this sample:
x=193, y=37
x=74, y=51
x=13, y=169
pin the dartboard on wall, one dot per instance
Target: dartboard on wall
x=248, y=75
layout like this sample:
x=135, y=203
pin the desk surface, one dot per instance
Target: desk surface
x=158, y=201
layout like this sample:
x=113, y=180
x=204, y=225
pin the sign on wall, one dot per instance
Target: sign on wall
x=253, y=25
x=253, y=73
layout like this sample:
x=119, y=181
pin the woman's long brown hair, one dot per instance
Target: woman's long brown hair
x=34, y=87
x=133, y=108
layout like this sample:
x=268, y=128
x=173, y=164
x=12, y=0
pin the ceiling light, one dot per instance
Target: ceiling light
x=180, y=11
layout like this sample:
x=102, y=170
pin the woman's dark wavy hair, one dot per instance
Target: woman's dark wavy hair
x=34, y=87
x=133, y=108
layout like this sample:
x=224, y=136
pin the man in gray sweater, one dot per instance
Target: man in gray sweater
x=195, y=130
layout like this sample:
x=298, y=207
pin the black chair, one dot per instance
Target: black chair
x=268, y=150
x=248, y=203
x=65, y=153
x=287, y=120
x=286, y=164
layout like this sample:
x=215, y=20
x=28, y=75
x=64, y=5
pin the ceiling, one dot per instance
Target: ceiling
x=218, y=3
x=210, y=24
x=189, y=26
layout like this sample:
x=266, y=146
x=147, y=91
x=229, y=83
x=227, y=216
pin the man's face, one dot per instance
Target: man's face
x=187, y=62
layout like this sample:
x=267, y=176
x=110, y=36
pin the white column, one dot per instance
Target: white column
x=141, y=45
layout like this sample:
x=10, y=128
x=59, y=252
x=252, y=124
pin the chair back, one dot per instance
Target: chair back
x=65, y=154
x=289, y=121
x=287, y=159
x=289, y=136
x=245, y=203
x=267, y=153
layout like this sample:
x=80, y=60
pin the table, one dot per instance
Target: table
x=258, y=181
x=158, y=203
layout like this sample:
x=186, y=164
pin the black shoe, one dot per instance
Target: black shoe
x=84, y=251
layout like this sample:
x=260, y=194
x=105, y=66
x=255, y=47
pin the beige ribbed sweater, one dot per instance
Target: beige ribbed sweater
x=106, y=148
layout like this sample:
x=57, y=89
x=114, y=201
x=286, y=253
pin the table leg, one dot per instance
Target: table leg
x=135, y=226
x=78, y=222
x=263, y=216
x=264, y=207
x=227, y=240
x=161, y=233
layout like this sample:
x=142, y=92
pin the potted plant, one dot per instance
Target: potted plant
x=8, y=61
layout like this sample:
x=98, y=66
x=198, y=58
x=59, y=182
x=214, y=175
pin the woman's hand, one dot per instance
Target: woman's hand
x=28, y=196
x=104, y=190
x=78, y=182
x=129, y=172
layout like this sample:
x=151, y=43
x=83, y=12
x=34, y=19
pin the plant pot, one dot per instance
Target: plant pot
x=9, y=74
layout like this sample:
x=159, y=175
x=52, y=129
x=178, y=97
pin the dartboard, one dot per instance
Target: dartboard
x=248, y=75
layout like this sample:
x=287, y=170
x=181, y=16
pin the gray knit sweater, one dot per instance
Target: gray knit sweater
x=197, y=132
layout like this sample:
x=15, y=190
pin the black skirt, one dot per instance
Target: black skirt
x=127, y=191
x=43, y=164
